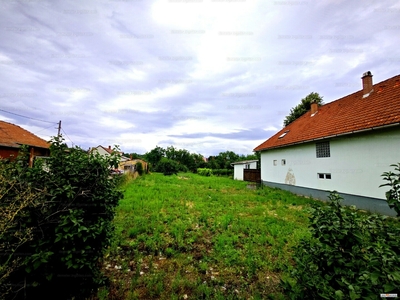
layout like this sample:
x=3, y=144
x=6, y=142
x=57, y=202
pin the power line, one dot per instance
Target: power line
x=67, y=136
x=27, y=117
x=44, y=129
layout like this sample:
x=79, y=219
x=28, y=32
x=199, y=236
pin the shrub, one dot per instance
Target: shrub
x=204, y=172
x=139, y=168
x=168, y=166
x=349, y=256
x=222, y=172
x=71, y=223
x=393, y=195
x=183, y=168
x=15, y=198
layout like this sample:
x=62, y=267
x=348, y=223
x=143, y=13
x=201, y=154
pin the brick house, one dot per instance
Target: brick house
x=12, y=137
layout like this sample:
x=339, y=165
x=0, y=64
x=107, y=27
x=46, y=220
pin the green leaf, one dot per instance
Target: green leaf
x=339, y=294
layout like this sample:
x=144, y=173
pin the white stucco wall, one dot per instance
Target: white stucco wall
x=355, y=163
x=238, y=170
x=101, y=151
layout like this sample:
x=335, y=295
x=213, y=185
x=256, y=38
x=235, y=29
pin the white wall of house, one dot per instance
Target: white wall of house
x=101, y=151
x=238, y=169
x=356, y=163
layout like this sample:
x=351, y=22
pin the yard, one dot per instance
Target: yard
x=194, y=237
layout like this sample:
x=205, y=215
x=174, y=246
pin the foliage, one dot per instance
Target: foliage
x=154, y=157
x=72, y=223
x=304, y=106
x=349, y=255
x=134, y=155
x=139, y=168
x=204, y=172
x=223, y=160
x=192, y=161
x=168, y=166
x=393, y=195
x=222, y=172
x=15, y=198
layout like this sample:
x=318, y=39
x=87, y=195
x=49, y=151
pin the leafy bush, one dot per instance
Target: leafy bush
x=183, y=168
x=139, y=168
x=393, y=195
x=222, y=172
x=71, y=221
x=204, y=172
x=15, y=198
x=167, y=166
x=349, y=256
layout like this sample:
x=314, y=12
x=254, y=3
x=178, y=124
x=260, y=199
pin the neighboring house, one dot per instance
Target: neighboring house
x=239, y=166
x=130, y=165
x=12, y=137
x=344, y=145
x=107, y=151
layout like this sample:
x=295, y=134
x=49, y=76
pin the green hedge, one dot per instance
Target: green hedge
x=223, y=172
x=71, y=222
x=204, y=172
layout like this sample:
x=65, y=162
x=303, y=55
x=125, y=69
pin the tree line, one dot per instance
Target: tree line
x=186, y=161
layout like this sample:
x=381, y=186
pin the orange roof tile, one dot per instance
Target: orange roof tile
x=343, y=116
x=14, y=136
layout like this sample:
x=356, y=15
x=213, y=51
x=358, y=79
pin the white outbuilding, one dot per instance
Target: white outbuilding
x=239, y=166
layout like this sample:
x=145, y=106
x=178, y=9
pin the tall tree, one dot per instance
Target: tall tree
x=303, y=107
x=154, y=156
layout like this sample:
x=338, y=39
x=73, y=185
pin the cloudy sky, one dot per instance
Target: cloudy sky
x=204, y=75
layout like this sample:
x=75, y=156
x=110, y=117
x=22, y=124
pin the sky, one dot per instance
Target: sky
x=207, y=76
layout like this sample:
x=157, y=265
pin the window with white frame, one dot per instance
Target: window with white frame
x=275, y=162
x=283, y=162
x=323, y=149
x=324, y=176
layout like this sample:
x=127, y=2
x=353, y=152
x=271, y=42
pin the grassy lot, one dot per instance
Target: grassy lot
x=194, y=237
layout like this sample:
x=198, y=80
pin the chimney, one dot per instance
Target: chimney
x=367, y=83
x=314, y=107
x=109, y=147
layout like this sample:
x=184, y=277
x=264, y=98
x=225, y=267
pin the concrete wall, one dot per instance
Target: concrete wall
x=356, y=163
x=365, y=203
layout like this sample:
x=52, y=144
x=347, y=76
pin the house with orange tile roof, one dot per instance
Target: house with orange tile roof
x=12, y=137
x=108, y=151
x=344, y=145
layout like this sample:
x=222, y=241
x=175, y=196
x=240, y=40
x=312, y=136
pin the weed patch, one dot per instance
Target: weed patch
x=202, y=237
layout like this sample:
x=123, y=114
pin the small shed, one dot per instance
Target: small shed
x=240, y=166
x=130, y=165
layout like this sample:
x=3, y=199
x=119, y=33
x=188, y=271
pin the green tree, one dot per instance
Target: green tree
x=198, y=161
x=168, y=166
x=225, y=159
x=303, y=107
x=154, y=156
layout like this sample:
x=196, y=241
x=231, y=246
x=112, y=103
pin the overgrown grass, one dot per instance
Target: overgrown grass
x=195, y=237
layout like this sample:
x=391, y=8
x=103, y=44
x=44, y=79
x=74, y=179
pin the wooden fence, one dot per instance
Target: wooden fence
x=253, y=175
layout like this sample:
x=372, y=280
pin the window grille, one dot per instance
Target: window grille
x=323, y=149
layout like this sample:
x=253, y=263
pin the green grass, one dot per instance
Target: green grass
x=197, y=237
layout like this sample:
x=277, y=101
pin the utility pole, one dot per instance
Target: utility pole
x=59, y=128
